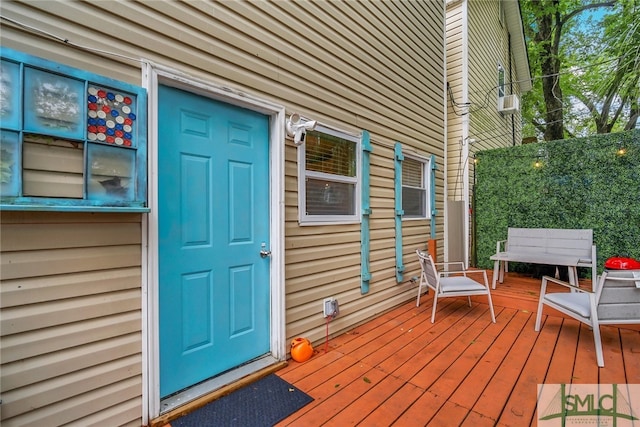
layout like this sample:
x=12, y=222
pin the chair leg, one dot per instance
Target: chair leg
x=595, y=324
x=598, y=343
x=419, y=292
x=435, y=303
x=469, y=299
x=493, y=315
x=543, y=291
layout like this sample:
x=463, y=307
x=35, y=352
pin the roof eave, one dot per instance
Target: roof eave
x=513, y=18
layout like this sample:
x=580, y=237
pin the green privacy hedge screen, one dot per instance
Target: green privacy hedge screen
x=577, y=183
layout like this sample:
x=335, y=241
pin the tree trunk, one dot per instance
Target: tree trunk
x=549, y=28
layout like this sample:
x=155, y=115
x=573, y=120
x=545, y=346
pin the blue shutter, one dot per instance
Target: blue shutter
x=365, y=236
x=398, y=158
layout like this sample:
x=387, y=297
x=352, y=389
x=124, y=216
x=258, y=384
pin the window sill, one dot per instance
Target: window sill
x=57, y=208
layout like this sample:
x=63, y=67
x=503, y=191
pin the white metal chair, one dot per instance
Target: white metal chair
x=450, y=283
x=616, y=301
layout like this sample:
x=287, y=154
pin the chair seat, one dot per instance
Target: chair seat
x=574, y=301
x=460, y=284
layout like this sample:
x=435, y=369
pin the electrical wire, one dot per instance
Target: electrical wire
x=326, y=342
x=68, y=42
x=488, y=92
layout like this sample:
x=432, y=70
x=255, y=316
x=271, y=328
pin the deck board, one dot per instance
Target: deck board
x=400, y=369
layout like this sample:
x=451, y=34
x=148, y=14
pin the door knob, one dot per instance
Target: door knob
x=263, y=250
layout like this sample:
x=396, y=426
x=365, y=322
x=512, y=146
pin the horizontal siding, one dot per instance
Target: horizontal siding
x=70, y=305
x=488, y=41
x=354, y=65
x=455, y=73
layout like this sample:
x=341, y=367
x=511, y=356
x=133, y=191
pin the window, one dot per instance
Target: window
x=500, y=81
x=415, y=184
x=69, y=139
x=329, y=184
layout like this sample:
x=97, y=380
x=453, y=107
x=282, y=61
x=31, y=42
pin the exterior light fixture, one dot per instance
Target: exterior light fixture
x=298, y=128
x=542, y=154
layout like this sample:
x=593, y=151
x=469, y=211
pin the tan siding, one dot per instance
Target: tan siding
x=455, y=57
x=487, y=47
x=353, y=65
x=488, y=41
x=70, y=301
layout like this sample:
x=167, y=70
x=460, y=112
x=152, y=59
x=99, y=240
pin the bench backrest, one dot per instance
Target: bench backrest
x=578, y=242
x=619, y=301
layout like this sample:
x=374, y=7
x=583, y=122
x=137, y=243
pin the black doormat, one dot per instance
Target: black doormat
x=259, y=404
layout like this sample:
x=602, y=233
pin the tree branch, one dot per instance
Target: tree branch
x=586, y=7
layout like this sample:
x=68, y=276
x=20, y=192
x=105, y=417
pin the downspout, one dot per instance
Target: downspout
x=365, y=237
x=464, y=152
x=398, y=158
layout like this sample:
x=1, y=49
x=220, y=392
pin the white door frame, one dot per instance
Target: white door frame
x=152, y=75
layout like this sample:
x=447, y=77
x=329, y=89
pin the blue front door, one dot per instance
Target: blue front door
x=213, y=216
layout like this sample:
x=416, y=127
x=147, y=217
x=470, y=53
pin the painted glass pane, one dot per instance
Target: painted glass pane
x=9, y=164
x=52, y=167
x=53, y=104
x=10, y=95
x=111, y=173
x=111, y=116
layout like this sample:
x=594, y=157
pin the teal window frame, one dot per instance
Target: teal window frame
x=128, y=154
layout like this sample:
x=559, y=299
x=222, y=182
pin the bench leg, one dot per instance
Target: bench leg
x=573, y=276
x=496, y=268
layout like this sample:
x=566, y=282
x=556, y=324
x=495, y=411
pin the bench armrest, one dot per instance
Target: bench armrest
x=498, y=243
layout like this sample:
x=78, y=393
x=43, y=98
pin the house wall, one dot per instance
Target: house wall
x=477, y=41
x=488, y=47
x=71, y=301
x=72, y=309
x=456, y=39
x=488, y=128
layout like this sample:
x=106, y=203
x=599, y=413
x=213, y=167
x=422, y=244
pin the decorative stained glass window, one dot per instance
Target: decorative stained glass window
x=71, y=140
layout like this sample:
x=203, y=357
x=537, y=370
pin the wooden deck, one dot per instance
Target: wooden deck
x=400, y=369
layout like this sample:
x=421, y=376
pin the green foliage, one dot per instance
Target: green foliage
x=581, y=183
x=593, y=47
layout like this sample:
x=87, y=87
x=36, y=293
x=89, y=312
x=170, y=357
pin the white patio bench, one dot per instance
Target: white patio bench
x=553, y=246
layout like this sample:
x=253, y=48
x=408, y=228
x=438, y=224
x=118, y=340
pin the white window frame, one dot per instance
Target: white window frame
x=426, y=177
x=303, y=174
